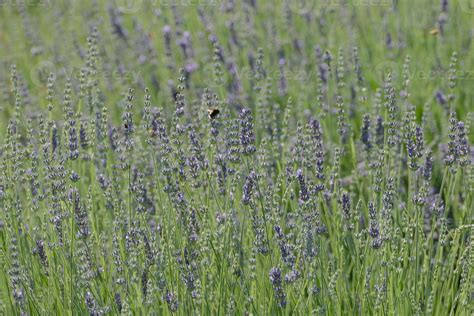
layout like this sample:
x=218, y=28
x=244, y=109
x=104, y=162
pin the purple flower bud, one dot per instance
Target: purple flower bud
x=275, y=278
x=365, y=136
x=440, y=98
x=249, y=187
x=172, y=301
x=247, y=136
x=304, y=195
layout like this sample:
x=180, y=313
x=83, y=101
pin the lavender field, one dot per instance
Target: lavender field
x=236, y=157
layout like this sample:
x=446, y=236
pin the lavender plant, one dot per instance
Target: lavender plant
x=236, y=158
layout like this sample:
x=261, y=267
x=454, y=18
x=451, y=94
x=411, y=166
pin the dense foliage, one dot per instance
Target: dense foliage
x=222, y=157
